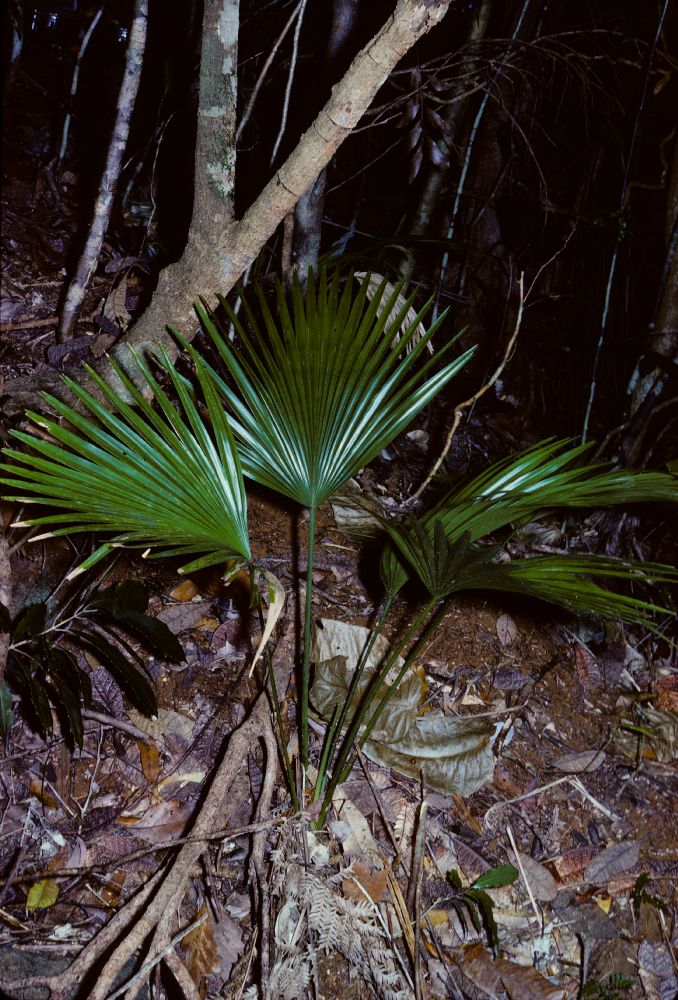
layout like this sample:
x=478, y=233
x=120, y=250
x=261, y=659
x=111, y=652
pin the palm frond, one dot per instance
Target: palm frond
x=545, y=477
x=442, y=566
x=319, y=392
x=157, y=478
x=566, y=581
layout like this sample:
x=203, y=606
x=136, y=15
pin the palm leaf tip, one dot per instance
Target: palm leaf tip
x=320, y=389
x=156, y=476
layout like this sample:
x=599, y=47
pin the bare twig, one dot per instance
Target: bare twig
x=290, y=80
x=459, y=409
x=124, y=727
x=74, y=82
x=247, y=114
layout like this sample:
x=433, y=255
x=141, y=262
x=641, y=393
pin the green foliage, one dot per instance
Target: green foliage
x=639, y=895
x=476, y=904
x=320, y=390
x=42, y=668
x=522, y=488
x=617, y=985
x=310, y=395
x=316, y=392
x=155, y=476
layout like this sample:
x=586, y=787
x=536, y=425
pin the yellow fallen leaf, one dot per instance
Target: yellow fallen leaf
x=604, y=902
x=42, y=895
x=150, y=761
x=184, y=591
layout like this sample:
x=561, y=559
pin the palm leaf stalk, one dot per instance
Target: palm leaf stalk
x=427, y=620
x=316, y=393
x=338, y=719
x=158, y=478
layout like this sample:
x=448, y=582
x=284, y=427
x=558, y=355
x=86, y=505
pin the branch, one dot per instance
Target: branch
x=216, y=265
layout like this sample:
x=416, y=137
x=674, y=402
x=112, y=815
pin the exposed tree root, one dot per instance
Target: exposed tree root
x=145, y=920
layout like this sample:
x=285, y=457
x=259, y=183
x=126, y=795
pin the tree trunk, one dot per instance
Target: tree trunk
x=217, y=254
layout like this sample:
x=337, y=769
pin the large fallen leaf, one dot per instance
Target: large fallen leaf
x=498, y=978
x=542, y=884
x=200, y=948
x=161, y=821
x=455, y=755
x=613, y=860
x=656, y=971
x=336, y=649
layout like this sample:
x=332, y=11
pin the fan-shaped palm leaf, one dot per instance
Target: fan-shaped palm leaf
x=155, y=477
x=319, y=392
x=566, y=581
x=525, y=487
x=319, y=395
x=446, y=567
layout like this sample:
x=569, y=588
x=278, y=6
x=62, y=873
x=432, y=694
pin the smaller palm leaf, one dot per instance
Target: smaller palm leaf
x=566, y=581
x=321, y=390
x=545, y=477
x=154, y=476
x=524, y=487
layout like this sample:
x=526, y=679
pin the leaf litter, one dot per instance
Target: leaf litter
x=564, y=717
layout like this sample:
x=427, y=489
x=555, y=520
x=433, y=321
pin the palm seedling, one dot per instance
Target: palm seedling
x=440, y=549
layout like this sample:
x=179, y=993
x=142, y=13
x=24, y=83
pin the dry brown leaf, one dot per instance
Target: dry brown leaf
x=613, y=860
x=586, y=666
x=656, y=971
x=183, y=617
x=115, y=307
x=575, y=763
x=162, y=821
x=150, y=761
x=540, y=880
x=373, y=881
x=200, y=949
x=42, y=793
x=499, y=976
x=507, y=630
x=570, y=867
x=166, y=722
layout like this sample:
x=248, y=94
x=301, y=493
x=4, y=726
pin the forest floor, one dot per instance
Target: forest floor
x=581, y=799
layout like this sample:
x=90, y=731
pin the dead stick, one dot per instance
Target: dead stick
x=458, y=410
